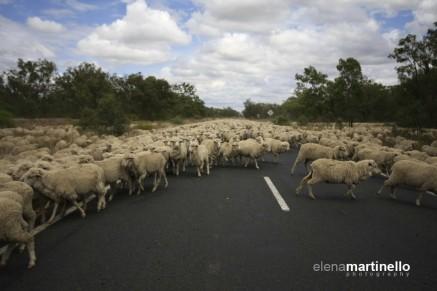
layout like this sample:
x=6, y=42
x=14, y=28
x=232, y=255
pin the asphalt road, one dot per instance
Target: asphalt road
x=227, y=232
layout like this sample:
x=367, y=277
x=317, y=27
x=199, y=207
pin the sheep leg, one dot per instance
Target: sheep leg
x=246, y=162
x=419, y=198
x=306, y=165
x=380, y=190
x=165, y=179
x=177, y=168
x=311, y=182
x=256, y=163
x=140, y=182
x=82, y=212
x=55, y=208
x=350, y=191
x=303, y=182
x=7, y=254
x=198, y=171
x=156, y=184
x=207, y=168
x=31, y=253
x=183, y=165
x=393, y=192
x=294, y=165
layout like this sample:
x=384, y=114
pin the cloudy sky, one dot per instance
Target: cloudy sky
x=230, y=50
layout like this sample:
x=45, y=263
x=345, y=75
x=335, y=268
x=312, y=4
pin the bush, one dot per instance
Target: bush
x=108, y=117
x=6, y=119
x=280, y=120
x=302, y=120
x=144, y=125
x=177, y=120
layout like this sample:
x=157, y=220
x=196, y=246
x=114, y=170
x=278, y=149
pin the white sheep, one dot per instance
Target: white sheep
x=419, y=175
x=4, y=178
x=199, y=157
x=311, y=152
x=338, y=172
x=69, y=184
x=26, y=192
x=251, y=149
x=144, y=163
x=114, y=173
x=13, y=228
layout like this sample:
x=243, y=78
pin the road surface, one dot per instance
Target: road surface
x=228, y=232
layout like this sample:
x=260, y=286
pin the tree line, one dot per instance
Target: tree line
x=353, y=97
x=35, y=89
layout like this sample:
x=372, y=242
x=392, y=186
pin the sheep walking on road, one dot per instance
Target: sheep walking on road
x=338, y=172
x=311, y=152
x=419, y=175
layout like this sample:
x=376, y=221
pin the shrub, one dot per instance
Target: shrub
x=108, y=117
x=6, y=119
x=280, y=120
x=177, y=120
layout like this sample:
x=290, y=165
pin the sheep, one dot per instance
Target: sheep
x=430, y=150
x=13, y=228
x=179, y=156
x=228, y=151
x=251, y=149
x=338, y=172
x=26, y=192
x=144, y=163
x=4, y=178
x=199, y=157
x=311, y=152
x=418, y=155
x=69, y=184
x=419, y=175
x=115, y=172
x=213, y=149
x=384, y=159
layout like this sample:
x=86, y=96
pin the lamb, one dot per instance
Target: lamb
x=144, y=163
x=251, y=149
x=311, y=152
x=417, y=174
x=69, y=184
x=26, y=193
x=200, y=158
x=338, y=172
x=13, y=228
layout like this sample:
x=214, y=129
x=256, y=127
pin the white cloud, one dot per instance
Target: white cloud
x=44, y=25
x=231, y=67
x=80, y=6
x=18, y=42
x=144, y=35
x=424, y=17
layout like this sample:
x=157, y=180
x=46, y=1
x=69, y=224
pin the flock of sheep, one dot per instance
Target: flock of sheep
x=45, y=169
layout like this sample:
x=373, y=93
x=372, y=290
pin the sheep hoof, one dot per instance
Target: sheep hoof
x=312, y=196
x=418, y=203
x=298, y=191
x=393, y=196
x=31, y=265
x=353, y=196
x=83, y=215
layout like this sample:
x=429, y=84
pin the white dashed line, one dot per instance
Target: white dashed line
x=277, y=195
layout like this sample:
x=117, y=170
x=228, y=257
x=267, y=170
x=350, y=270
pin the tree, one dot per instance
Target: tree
x=348, y=85
x=28, y=87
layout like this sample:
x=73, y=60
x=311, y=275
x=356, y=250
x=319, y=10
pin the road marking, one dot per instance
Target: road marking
x=277, y=195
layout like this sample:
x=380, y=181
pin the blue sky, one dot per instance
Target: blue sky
x=230, y=50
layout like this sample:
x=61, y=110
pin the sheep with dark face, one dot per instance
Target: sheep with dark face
x=338, y=172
